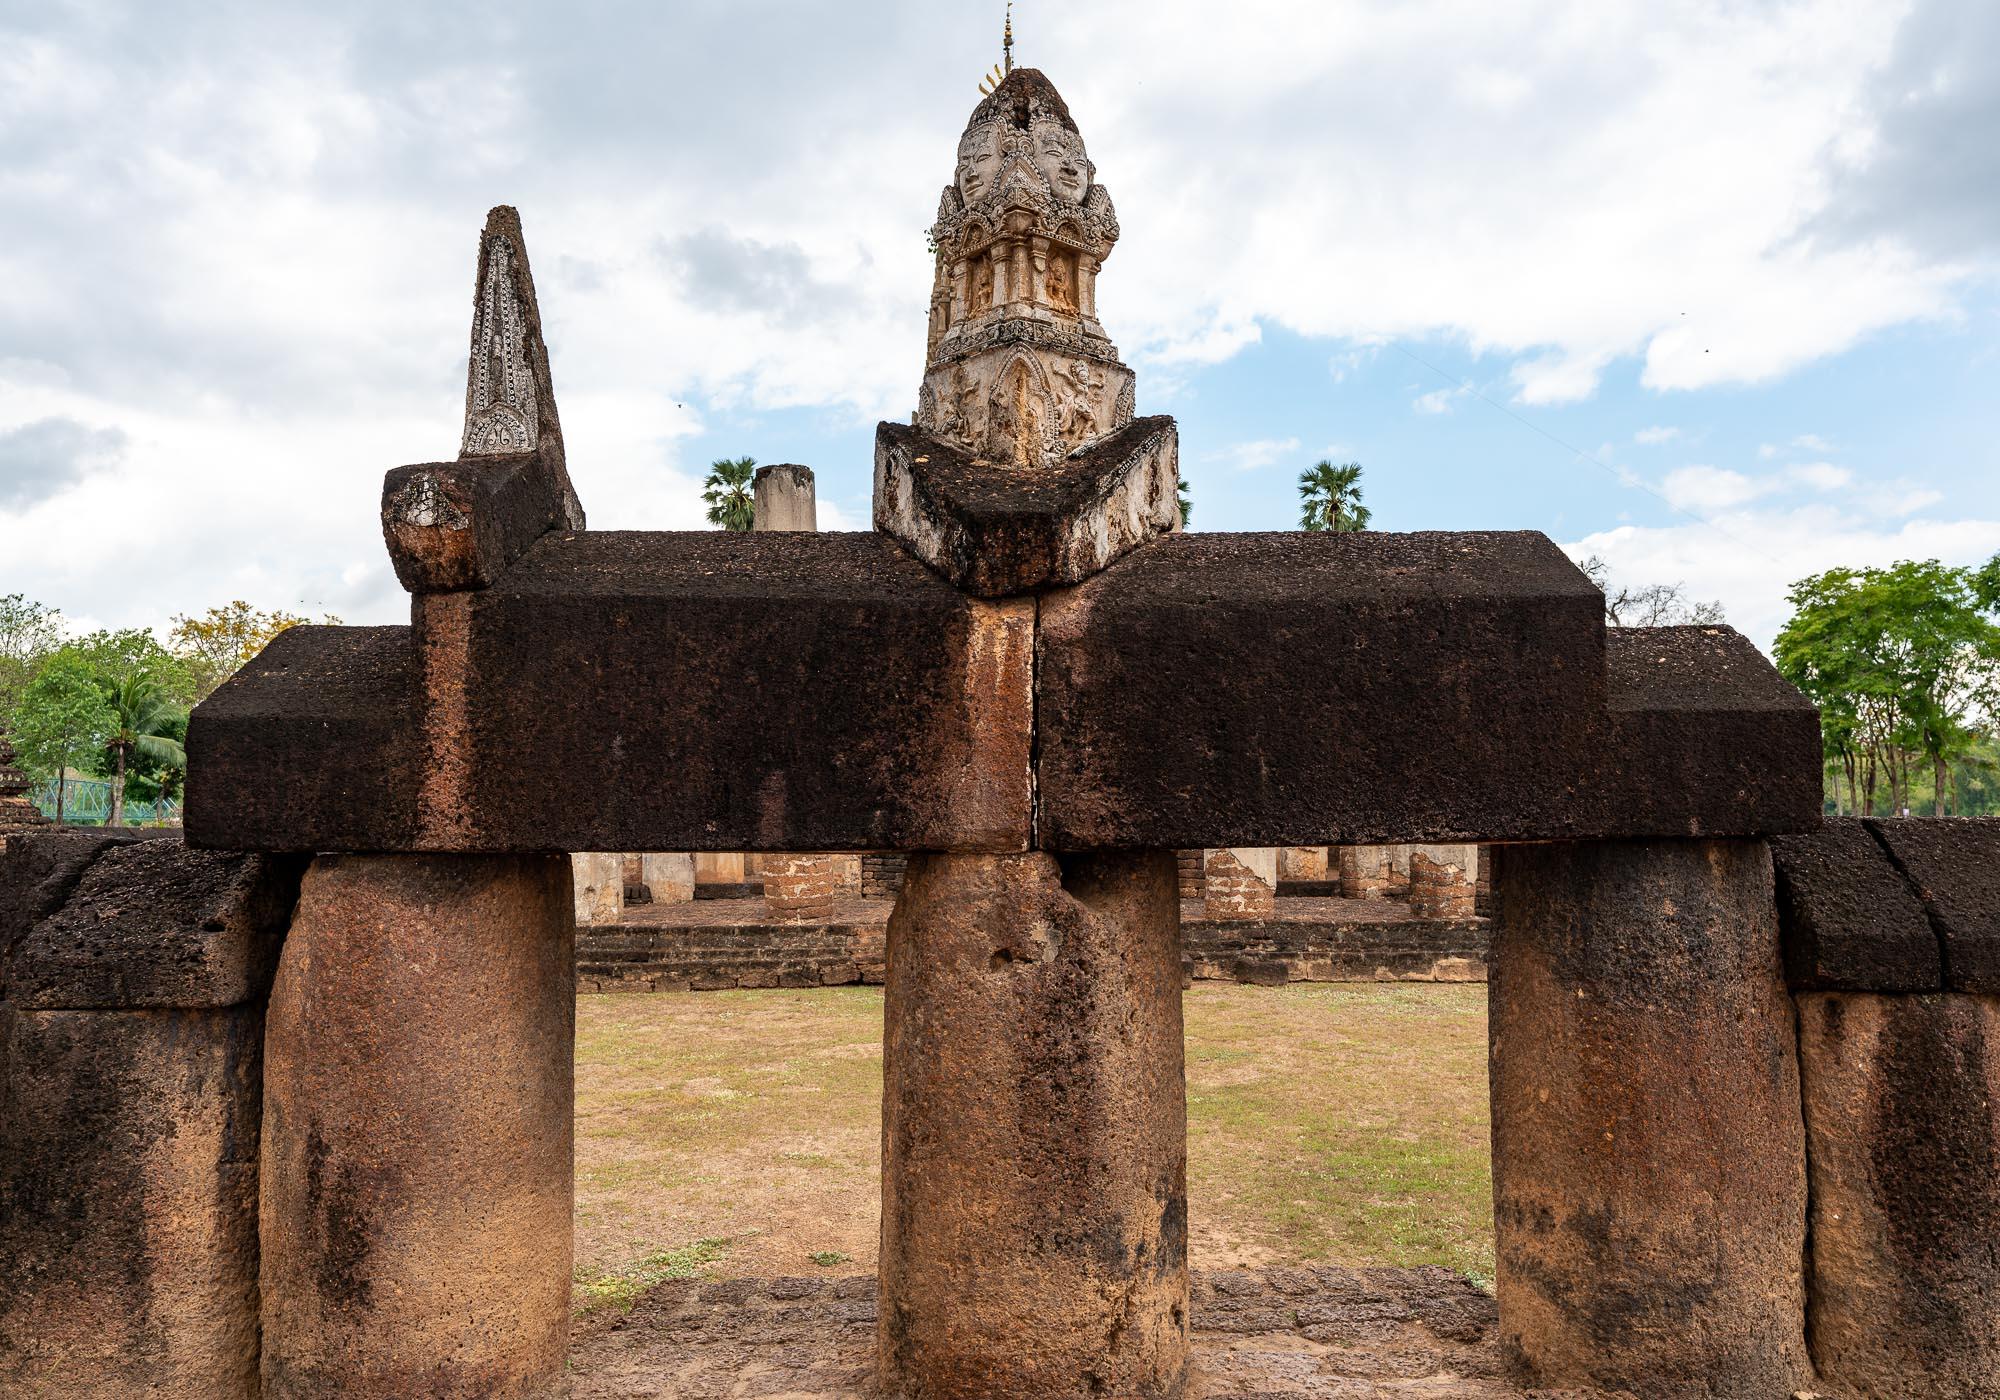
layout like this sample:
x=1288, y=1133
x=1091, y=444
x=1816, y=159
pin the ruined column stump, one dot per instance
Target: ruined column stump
x=1034, y=1145
x=1240, y=884
x=1648, y=1151
x=1902, y=1097
x=799, y=889
x=1442, y=881
x=417, y=1131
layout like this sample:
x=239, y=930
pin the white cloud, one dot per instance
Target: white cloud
x=1813, y=442
x=1704, y=488
x=1250, y=456
x=1439, y=400
x=1821, y=476
x=1654, y=437
x=1750, y=559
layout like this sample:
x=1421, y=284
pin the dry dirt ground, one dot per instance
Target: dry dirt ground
x=728, y=1144
x=737, y=1134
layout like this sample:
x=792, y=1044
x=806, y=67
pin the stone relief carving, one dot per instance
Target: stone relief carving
x=501, y=412
x=1019, y=372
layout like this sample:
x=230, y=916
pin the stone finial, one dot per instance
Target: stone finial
x=457, y=525
x=1019, y=371
x=17, y=813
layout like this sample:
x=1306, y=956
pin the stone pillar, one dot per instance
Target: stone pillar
x=1240, y=883
x=785, y=498
x=417, y=1131
x=131, y=1043
x=1648, y=1151
x=669, y=876
x=1364, y=872
x=1902, y=1097
x=1034, y=1182
x=1190, y=863
x=798, y=889
x=598, y=884
x=718, y=868
x=1086, y=297
x=1442, y=880
x=1303, y=863
x=847, y=876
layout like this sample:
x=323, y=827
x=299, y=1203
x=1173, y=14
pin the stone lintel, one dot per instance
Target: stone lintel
x=1286, y=689
x=1847, y=916
x=1953, y=866
x=458, y=525
x=994, y=530
x=690, y=691
x=154, y=924
x=316, y=744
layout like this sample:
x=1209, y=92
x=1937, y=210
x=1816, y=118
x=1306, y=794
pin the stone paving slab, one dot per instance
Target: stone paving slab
x=1315, y=1333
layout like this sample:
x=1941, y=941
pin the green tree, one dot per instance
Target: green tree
x=28, y=633
x=143, y=721
x=1904, y=663
x=216, y=645
x=731, y=501
x=1187, y=504
x=118, y=656
x=61, y=719
x=1330, y=498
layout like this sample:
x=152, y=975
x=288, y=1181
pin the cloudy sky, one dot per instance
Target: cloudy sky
x=1707, y=289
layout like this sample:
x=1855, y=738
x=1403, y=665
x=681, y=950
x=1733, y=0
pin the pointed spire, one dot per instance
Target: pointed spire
x=510, y=402
x=1007, y=39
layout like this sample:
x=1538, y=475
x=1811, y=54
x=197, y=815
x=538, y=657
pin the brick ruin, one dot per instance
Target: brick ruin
x=288, y=1107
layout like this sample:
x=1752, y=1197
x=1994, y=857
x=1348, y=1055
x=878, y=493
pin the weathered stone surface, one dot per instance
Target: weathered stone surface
x=38, y=870
x=1034, y=1183
x=1902, y=1106
x=417, y=1133
x=699, y=691
x=1648, y=1155
x=1262, y=689
x=994, y=530
x=316, y=744
x=669, y=876
x=786, y=498
x=799, y=889
x=154, y=924
x=1848, y=918
x=1954, y=865
x=128, y=1202
x=1442, y=880
x=597, y=879
x=1265, y=689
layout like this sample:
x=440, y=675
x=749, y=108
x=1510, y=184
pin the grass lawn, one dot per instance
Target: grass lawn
x=734, y=1133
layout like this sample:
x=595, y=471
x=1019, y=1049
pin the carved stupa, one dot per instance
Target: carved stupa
x=1020, y=371
x=17, y=813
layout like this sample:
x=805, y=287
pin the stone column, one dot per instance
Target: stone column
x=598, y=883
x=1240, y=883
x=1442, y=881
x=1364, y=872
x=669, y=876
x=1034, y=1177
x=798, y=889
x=1648, y=1150
x=718, y=868
x=1902, y=1097
x=785, y=498
x=417, y=1131
x=1303, y=863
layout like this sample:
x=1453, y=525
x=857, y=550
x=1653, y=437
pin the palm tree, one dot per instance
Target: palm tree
x=728, y=493
x=1330, y=498
x=1187, y=504
x=140, y=716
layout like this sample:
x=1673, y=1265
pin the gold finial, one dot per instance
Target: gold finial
x=999, y=74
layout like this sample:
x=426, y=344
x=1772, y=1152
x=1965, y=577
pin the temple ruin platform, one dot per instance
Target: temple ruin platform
x=1271, y=1334
x=717, y=944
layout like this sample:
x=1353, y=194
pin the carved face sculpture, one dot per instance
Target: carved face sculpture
x=978, y=161
x=1058, y=154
